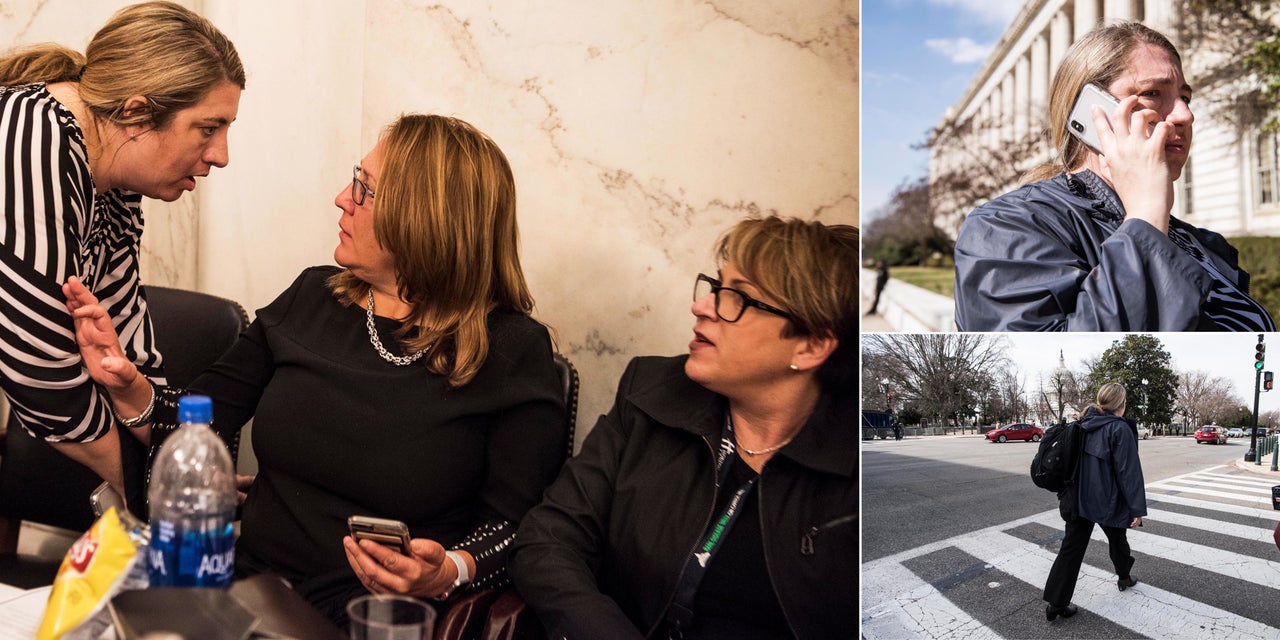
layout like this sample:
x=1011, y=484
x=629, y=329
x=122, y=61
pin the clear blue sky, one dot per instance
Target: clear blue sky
x=918, y=56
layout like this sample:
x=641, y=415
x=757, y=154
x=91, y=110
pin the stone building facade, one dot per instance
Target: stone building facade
x=1230, y=184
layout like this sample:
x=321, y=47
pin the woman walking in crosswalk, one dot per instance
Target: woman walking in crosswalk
x=1110, y=493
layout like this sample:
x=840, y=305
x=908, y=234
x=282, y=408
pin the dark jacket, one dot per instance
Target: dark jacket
x=1111, y=485
x=600, y=557
x=1045, y=257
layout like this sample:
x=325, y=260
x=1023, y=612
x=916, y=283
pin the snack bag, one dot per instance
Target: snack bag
x=98, y=565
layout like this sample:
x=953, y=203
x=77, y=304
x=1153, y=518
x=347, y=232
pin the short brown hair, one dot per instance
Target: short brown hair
x=160, y=50
x=446, y=212
x=1098, y=57
x=811, y=270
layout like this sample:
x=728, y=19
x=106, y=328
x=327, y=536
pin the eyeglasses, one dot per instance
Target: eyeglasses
x=359, y=190
x=731, y=303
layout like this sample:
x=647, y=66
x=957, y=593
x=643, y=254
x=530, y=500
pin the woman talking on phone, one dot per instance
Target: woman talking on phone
x=1088, y=242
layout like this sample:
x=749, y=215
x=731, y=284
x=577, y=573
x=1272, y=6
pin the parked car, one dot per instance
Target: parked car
x=1016, y=432
x=1235, y=432
x=1144, y=432
x=1211, y=433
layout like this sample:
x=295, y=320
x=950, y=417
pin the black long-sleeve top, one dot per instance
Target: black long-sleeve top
x=339, y=431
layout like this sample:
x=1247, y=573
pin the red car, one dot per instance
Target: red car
x=1016, y=432
x=1211, y=433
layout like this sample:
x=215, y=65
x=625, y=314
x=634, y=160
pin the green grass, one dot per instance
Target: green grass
x=936, y=279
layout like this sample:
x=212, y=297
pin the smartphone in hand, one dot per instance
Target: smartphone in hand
x=392, y=533
x=1080, y=121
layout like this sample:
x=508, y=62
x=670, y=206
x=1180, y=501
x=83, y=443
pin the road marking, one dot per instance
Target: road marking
x=899, y=604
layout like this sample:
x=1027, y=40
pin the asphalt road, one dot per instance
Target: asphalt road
x=957, y=543
x=918, y=490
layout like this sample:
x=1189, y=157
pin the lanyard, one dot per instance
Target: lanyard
x=680, y=613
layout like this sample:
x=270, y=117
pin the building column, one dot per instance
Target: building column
x=1039, y=76
x=1118, y=10
x=1060, y=39
x=1022, y=96
x=1008, y=106
x=1086, y=18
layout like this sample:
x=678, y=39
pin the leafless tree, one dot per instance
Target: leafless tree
x=941, y=375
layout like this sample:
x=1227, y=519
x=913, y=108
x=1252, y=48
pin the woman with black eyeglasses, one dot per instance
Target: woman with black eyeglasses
x=718, y=498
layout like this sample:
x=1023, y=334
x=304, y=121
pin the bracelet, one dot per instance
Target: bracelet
x=143, y=418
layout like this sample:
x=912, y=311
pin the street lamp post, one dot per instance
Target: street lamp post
x=1144, y=402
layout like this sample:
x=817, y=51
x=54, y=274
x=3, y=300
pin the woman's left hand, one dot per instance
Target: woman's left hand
x=382, y=570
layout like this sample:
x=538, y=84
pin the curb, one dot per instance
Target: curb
x=1263, y=469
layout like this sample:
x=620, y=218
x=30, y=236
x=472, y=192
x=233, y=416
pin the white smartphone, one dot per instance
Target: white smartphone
x=392, y=533
x=1080, y=122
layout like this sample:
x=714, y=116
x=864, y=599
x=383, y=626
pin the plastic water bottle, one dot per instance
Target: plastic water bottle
x=193, y=502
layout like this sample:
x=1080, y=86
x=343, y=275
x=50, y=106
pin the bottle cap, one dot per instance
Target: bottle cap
x=195, y=409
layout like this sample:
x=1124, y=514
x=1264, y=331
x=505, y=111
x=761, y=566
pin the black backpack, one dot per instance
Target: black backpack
x=1058, y=458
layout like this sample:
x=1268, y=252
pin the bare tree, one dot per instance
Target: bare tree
x=941, y=375
x=975, y=160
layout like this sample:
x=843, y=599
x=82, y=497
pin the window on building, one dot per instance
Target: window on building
x=1267, y=189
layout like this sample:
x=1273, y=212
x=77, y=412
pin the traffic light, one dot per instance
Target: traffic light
x=1266, y=380
x=1260, y=356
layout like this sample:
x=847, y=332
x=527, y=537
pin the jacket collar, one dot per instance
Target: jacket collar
x=826, y=443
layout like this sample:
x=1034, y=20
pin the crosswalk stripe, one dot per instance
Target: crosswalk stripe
x=897, y=603
x=1216, y=506
x=910, y=608
x=1266, y=502
x=1155, y=612
x=1224, y=484
x=1255, y=534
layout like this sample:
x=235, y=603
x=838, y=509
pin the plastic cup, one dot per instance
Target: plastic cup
x=383, y=617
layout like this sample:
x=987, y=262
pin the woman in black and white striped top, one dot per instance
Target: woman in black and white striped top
x=82, y=139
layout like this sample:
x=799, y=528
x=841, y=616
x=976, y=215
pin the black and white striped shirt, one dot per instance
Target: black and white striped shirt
x=54, y=226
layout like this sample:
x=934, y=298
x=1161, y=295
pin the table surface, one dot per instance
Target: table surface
x=281, y=612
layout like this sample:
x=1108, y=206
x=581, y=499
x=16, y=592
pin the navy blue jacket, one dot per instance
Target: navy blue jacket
x=1111, y=487
x=1049, y=258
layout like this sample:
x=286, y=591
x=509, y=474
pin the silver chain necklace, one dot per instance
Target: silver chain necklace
x=755, y=452
x=377, y=344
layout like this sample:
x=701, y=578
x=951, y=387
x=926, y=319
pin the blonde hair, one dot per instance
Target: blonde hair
x=811, y=270
x=446, y=212
x=1098, y=57
x=159, y=50
x=1111, y=398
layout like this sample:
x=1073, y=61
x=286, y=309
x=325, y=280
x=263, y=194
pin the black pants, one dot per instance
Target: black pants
x=875, y=303
x=1066, y=567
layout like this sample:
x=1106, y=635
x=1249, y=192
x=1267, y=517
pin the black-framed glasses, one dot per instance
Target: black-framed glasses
x=359, y=190
x=731, y=303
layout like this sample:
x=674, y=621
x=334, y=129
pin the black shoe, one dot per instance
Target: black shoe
x=1051, y=612
x=1125, y=583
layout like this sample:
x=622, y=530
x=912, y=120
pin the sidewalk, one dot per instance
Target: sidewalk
x=874, y=323
x=1263, y=469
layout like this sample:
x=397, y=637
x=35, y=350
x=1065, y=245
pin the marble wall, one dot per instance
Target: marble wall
x=638, y=131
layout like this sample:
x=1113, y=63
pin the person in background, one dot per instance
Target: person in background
x=882, y=279
x=719, y=496
x=1090, y=243
x=144, y=111
x=1110, y=493
x=409, y=383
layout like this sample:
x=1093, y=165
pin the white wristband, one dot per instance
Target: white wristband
x=464, y=576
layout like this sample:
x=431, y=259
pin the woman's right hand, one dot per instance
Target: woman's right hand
x=99, y=344
x=1137, y=522
x=1134, y=162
